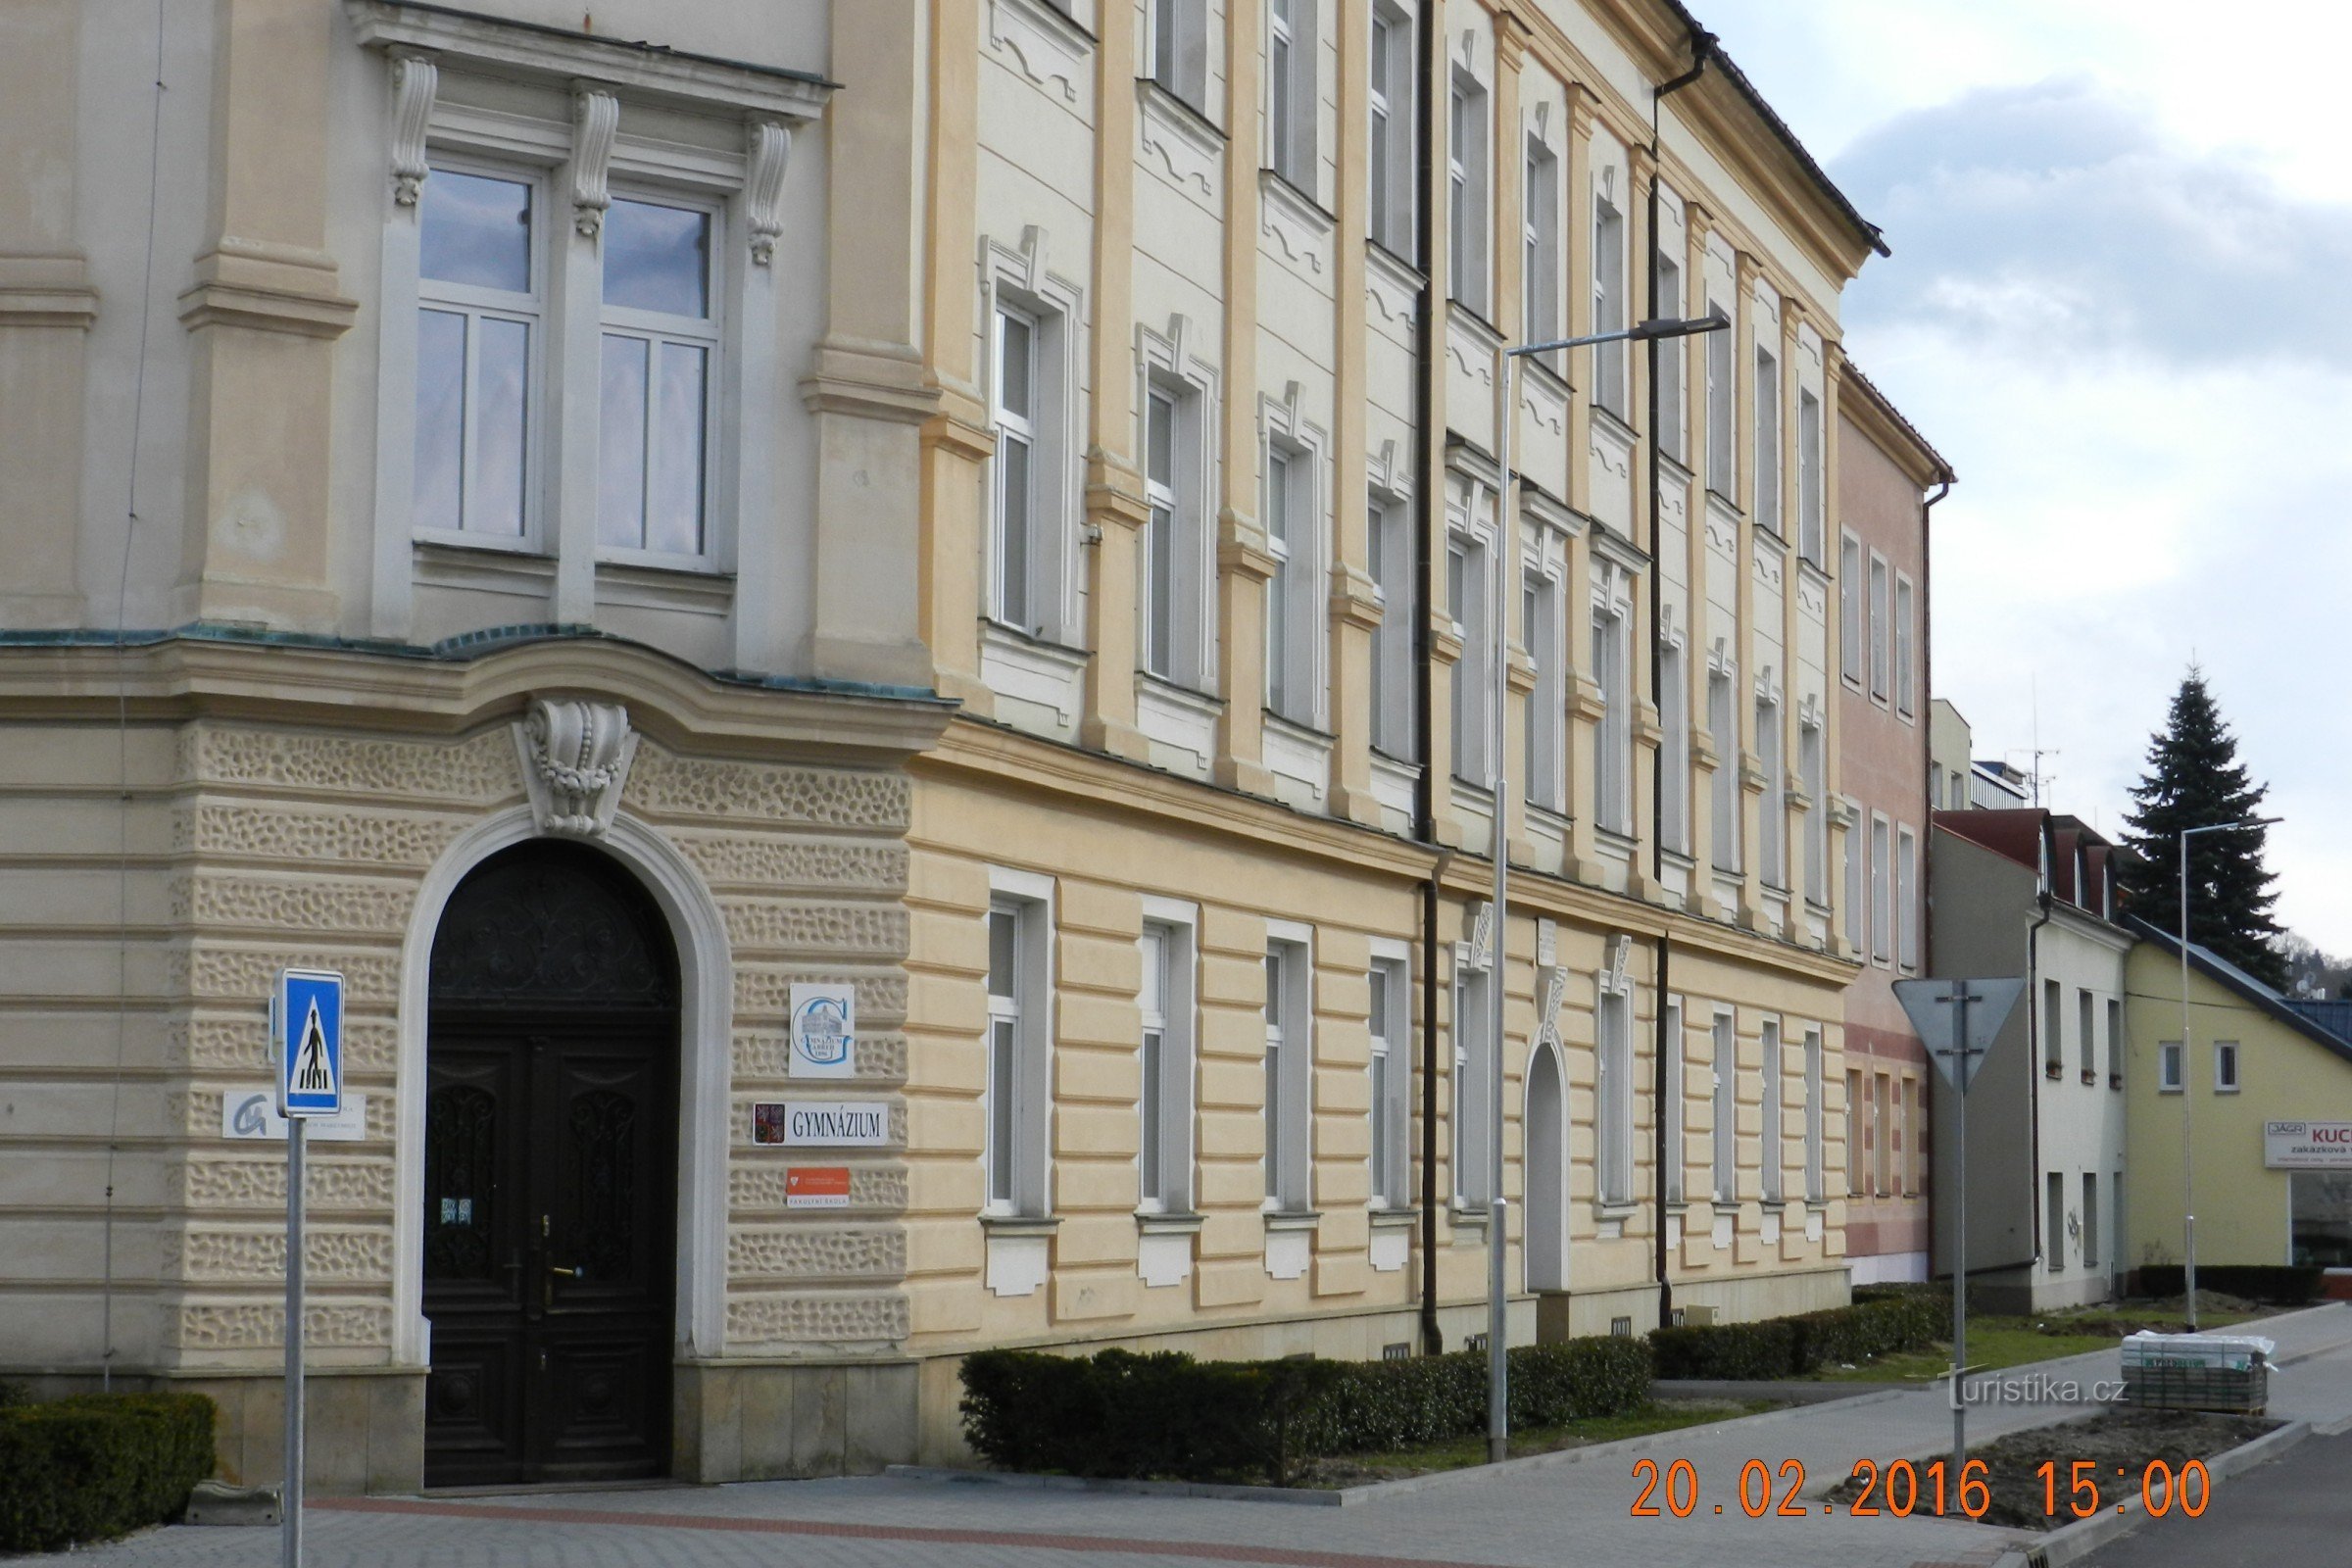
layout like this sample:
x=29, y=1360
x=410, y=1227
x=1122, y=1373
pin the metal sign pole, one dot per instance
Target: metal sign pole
x=1960, y=1244
x=291, y=1527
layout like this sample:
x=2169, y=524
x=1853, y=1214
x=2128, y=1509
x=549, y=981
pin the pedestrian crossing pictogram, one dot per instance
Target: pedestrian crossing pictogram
x=307, y=1013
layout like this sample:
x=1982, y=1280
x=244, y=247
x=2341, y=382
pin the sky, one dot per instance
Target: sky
x=2122, y=242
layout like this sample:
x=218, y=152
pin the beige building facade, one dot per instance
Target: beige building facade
x=989, y=504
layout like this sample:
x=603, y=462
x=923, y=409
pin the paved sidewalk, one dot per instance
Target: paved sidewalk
x=1532, y=1514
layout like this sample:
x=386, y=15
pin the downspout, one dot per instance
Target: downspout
x=2034, y=1068
x=1926, y=835
x=1703, y=48
x=1425, y=826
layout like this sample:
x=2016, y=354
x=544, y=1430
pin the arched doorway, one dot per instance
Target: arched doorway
x=1547, y=1172
x=550, y=1270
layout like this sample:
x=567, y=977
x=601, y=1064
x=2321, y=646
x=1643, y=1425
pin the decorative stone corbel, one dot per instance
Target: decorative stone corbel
x=415, y=81
x=1555, y=994
x=1481, y=934
x=1620, y=951
x=575, y=759
x=767, y=146
x=595, y=121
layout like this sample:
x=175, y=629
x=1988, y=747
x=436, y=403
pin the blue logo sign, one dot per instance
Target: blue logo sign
x=308, y=1017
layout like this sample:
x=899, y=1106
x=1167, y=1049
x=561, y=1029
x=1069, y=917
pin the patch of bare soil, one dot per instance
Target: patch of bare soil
x=2114, y=1451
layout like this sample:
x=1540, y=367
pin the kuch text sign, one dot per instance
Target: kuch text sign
x=2307, y=1144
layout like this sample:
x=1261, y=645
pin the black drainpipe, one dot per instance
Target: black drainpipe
x=1427, y=504
x=1927, y=836
x=2034, y=1044
x=1702, y=47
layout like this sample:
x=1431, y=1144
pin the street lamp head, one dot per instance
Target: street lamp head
x=1669, y=327
x=2231, y=827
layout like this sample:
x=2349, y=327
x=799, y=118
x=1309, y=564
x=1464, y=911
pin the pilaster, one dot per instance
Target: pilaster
x=1508, y=186
x=1244, y=565
x=958, y=441
x=1354, y=612
x=1743, y=702
x=1577, y=220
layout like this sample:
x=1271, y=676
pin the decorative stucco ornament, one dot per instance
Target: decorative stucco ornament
x=575, y=759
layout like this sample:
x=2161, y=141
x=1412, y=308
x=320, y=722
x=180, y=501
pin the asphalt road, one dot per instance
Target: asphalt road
x=2296, y=1510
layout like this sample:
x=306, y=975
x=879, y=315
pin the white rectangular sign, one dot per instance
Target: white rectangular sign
x=822, y=1123
x=253, y=1113
x=2307, y=1144
x=824, y=1030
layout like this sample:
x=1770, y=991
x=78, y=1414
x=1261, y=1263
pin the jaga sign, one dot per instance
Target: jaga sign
x=821, y=1123
x=2307, y=1144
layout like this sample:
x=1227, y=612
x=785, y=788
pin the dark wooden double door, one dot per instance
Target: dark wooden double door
x=551, y=1177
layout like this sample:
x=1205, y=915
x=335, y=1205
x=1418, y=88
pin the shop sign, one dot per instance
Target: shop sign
x=2307, y=1144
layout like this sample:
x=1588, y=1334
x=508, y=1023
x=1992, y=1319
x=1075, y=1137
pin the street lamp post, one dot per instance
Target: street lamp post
x=1498, y=652
x=2188, y=1099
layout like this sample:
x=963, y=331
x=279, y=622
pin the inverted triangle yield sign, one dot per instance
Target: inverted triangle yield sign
x=1935, y=1010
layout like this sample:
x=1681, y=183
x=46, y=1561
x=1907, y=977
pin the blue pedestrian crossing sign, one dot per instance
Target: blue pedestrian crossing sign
x=306, y=1033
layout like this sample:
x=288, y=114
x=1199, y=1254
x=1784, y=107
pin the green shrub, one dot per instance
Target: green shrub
x=1742, y=1352
x=99, y=1465
x=1120, y=1413
x=1793, y=1346
x=2277, y=1283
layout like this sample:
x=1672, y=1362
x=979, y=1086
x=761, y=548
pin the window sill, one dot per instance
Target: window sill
x=507, y=546
x=2167, y=1088
x=1618, y=1210
x=1292, y=1219
x=1168, y=1224
x=1021, y=1224
x=2091, y=1077
x=1395, y=1218
x=2230, y=1089
x=1279, y=184
x=2053, y=1071
x=655, y=562
x=2115, y=1080
x=991, y=626
x=1192, y=114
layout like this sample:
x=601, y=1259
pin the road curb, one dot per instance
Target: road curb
x=2077, y=1541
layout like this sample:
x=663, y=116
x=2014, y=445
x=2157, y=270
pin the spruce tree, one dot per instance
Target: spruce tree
x=2195, y=778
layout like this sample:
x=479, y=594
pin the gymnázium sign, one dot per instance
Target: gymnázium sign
x=2307, y=1144
x=821, y=1123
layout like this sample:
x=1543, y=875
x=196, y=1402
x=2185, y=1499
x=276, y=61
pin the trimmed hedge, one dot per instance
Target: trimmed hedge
x=2276, y=1284
x=1122, y=1413
x=1794, y=1347
x=99, y=1465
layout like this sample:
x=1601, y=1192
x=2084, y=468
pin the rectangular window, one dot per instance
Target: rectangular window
x=1880, y=612
x=2225, y=1066
x=1904, y=631
x=1671, y=1112
x=1881, y=893
x=1915, y=1139
x=661, y=342
x=2091, y=1220
x=1613, y=731
x=1289, y=1079
x=1388, y=1018
x=1393, y=689
x=1668, y=355
x=1164, y=1102
x=1857, y=880
x=2167, y=1066
x=1390, y=174
x=1725, y=1092
x=1016, y=582
x=1857, y=1169
x=1772, y=812
x=1723, y=734
x=1547, y=704
x=1466, y=189
x=1723, y=435
x=2087, y=1037
x=479, y=306
x=1852, y=626
x=1674, y=718
x=1811, y=505
x=1768, y=439
x=1469, y=1114
x=1882, y=1134
x=1609, y=376
x=1466, y=594
x=1817, y=812
x=1615, y=1064
x=1539, y=234
x=1292, y=622
x=2115, y=1043
x=2053, y=1027
x=1816, y=1183
x=2054, y=1233
x=1775, y=1125
x=1290, y=50
x=1906, y=899
x=1180, y=49
x=1014, y=1114
x=1168, y=548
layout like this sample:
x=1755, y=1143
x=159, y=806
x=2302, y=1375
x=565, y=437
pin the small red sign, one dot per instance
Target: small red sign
x=816, y=1187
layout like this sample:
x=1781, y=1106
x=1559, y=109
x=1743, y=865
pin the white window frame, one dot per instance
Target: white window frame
x=475, y=305
x=2115, y=1041
x=1812, y=749
x=1674, y=719
x=1294, y=45
x=1724, y=1093
x=1613, y=675
x=1853, y=620
x=1395, y=199
x=1028, y=898
x=1289, y=1072
x=1772, y=812
x=1540, y=244
x=2169, y=1073
x=1768, y=438
x=1469, y=537
x=1811, y=493
x=2054, y=1219
x=1017, y=431
x=1612, y=373
x=1857, y=1172
x=1816, y=1116
x=1175, y=929
x=1672, y=361
x=1906, y=899
x=1390, y=1066
x=1882, y=1116
x=1905, y=642
x=1882, y=890
x=1723, y=786
x=1614, y=1088
x=1176, y=38
x=1882, y=614
x=657, y=330
x=1722, y=404
x=1467, y=1112
x=2091, y=1219
x=1775, y=1151
x=1857, y=882
x=1016, y=279
x=1295, y=645
x=1395, y=693
x=1543, y=633
x=1672, y=1112
x=2225, y=1068
x=1167, y=367
x=1469, y=271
